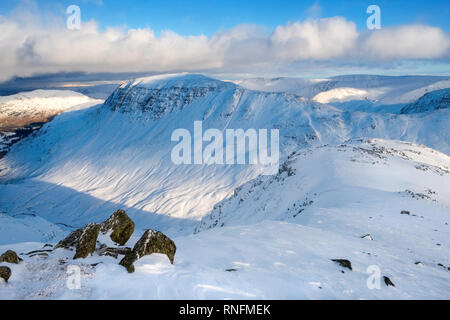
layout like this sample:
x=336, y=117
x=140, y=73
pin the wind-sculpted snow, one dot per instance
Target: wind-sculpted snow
x=117, y=155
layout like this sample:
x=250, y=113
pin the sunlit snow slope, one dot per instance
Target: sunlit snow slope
x=87, y=163
x=379, y=204
x=23, y=113
x=38, y=105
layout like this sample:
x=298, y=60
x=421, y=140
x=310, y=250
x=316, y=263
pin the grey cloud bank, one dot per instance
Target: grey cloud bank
x=28, y=48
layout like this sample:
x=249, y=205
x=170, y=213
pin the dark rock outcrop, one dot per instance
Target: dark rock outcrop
x=388, y=282
x=343, y=263
x=84, y=240
x=150, y=242
x=5, y=273
x=10, y=257
x=367, y=237
x=35, y=252
x=87, y=241
x=104, y=250
x=71, y=241
x=120, y=226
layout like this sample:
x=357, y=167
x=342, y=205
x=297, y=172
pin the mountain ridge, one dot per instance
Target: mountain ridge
x=118, y=154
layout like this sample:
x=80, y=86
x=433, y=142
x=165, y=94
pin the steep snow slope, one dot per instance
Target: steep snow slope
x=118, y=155
x=281, y=233
x=435, y=100
x=373, y=178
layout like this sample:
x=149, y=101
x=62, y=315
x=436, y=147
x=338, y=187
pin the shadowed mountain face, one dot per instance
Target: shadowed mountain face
x=55, y=211
x=435, y=100
x=12, y=134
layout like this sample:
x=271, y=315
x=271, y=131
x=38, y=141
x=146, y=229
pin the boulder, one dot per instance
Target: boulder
x=87, y=241
x=150, y=242
x=10, y=257
x=82, y=240
x=71, y=241
x=120, y=226
x=5, y=273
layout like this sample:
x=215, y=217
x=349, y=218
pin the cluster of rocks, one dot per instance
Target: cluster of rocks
x=150, y=242
x=8, y=257
x=120, y=228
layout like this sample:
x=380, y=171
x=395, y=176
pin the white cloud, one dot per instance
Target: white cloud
x=407, y=42
x=314, y=39
x=32, y=47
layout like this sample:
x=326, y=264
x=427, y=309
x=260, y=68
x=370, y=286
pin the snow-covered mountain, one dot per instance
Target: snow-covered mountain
x=22, y=114
x=366, y=93
x=435, y=100
x=38, y=105
x=118, y=154
x=279, y=233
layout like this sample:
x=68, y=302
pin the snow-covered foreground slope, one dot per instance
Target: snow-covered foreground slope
x=87, y=163
x=277, y=236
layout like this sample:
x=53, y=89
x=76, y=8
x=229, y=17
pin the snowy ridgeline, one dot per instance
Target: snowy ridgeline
x=275, y=235
x=367, y=93
x=380, y=89
x=24, y=113
x=40, y=103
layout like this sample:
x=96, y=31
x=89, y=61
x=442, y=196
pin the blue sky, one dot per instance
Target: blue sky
x=208, y=16
x=226, y=38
